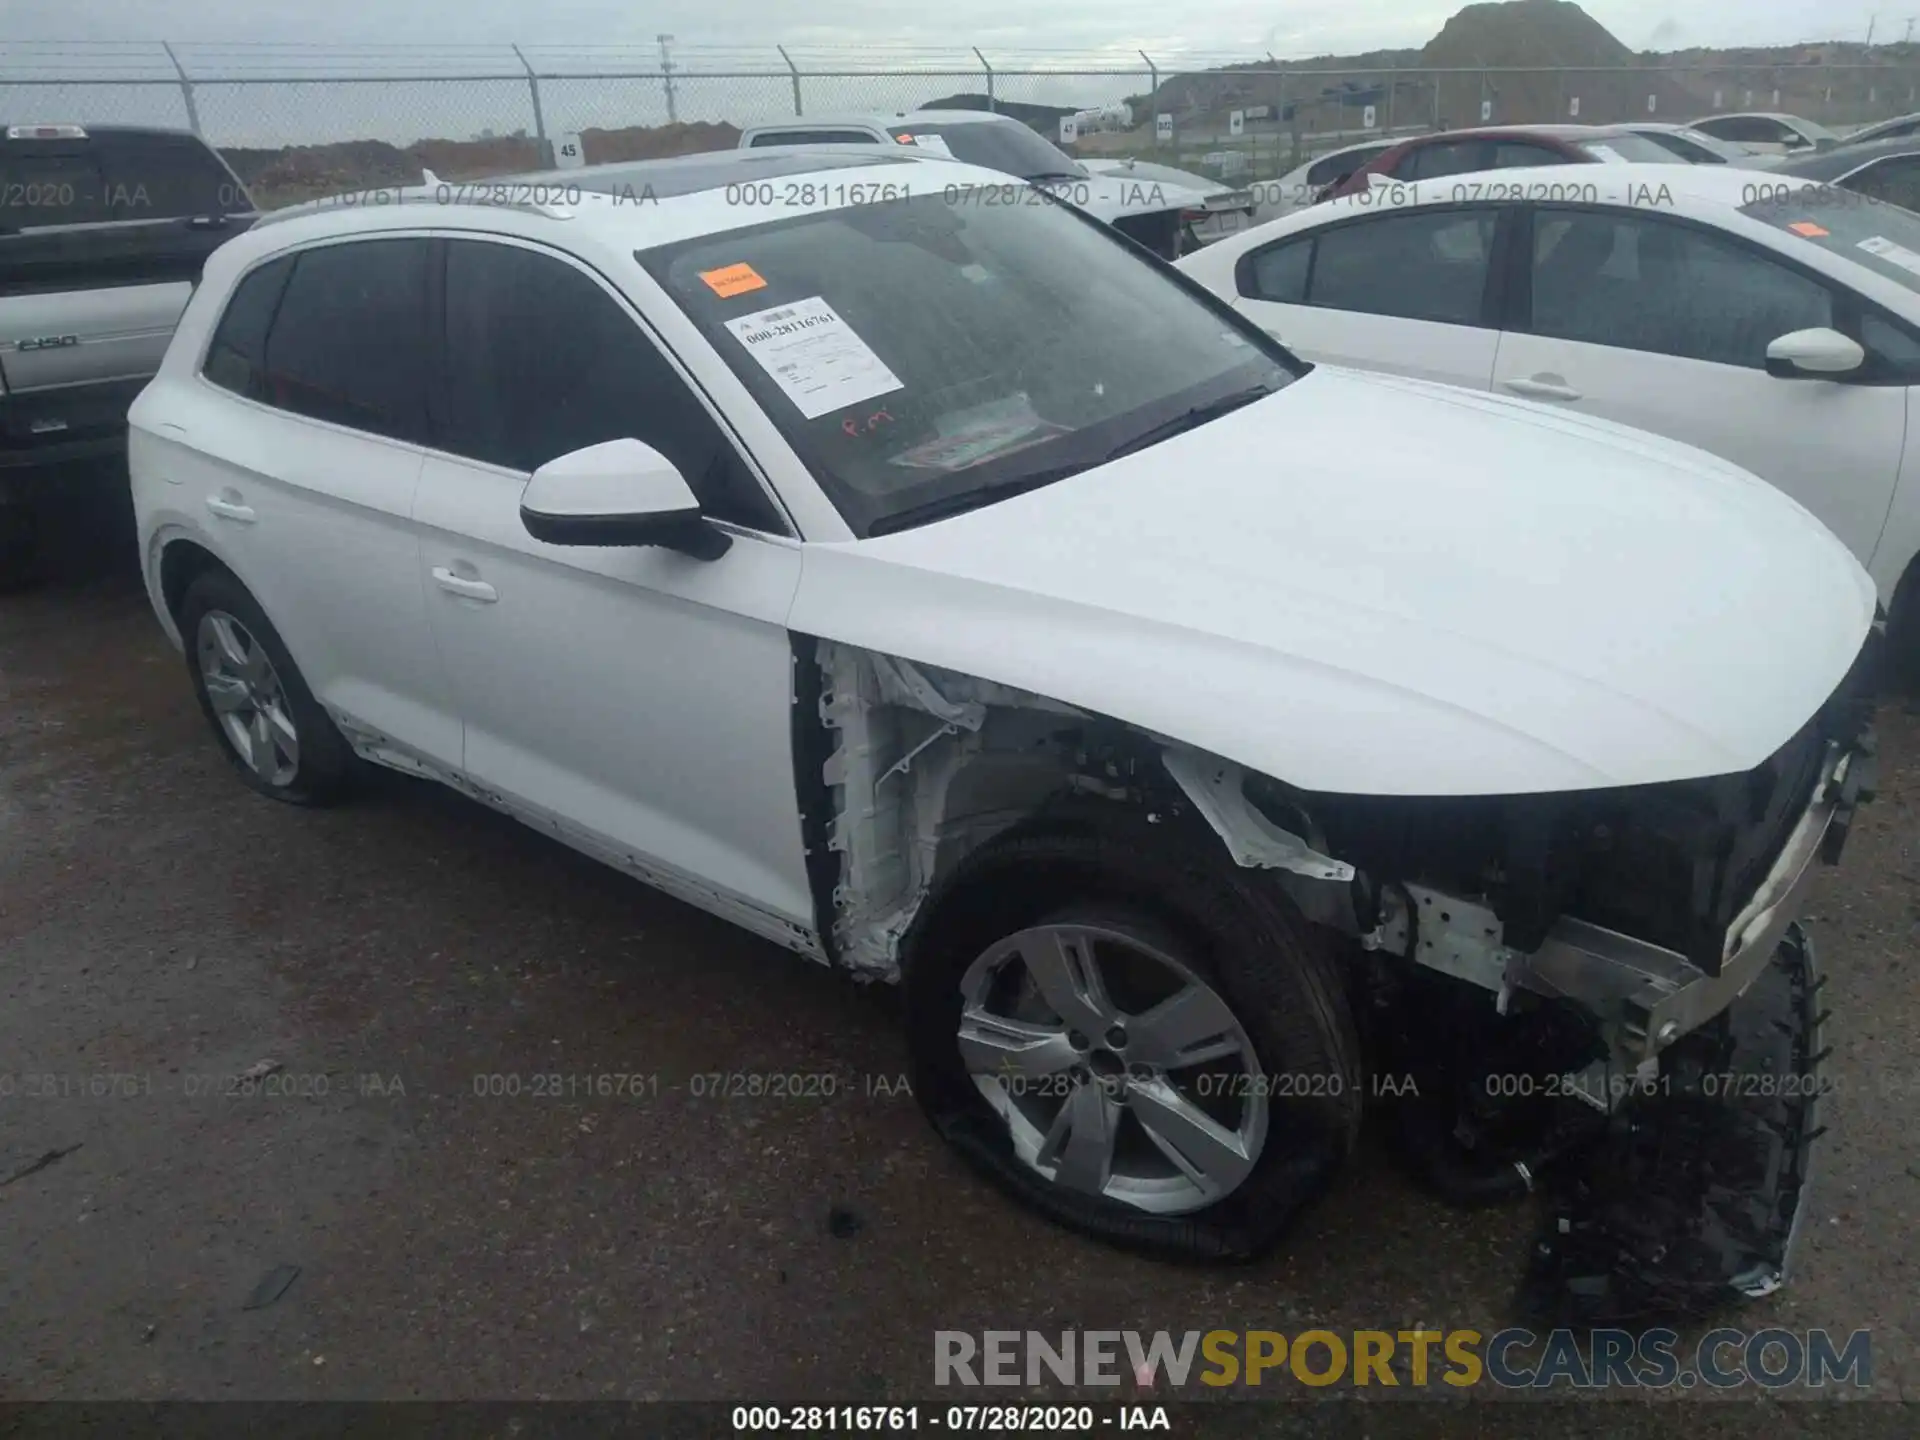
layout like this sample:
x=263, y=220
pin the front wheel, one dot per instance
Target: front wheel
x=1134, y=1037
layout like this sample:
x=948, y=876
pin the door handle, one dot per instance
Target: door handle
x=230, y=510
x=459, y=585
x=1544, y=389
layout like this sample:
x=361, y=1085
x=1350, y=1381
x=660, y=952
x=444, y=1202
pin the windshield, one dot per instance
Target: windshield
x=998, y=145
x=925, y=354
x=1625, y=147
x=1884, y=238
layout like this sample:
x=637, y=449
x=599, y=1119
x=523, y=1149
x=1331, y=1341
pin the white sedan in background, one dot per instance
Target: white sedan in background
x=1772, y=321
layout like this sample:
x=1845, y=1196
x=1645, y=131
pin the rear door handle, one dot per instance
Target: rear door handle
x=229, y=510
x=1543, y=389
x=459, y=585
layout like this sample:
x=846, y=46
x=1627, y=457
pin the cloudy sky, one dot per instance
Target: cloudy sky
x=1249, y=27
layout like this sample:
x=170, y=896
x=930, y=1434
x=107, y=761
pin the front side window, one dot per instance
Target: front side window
x=1895, y=180
x=931, y=353
x=1419, y=265
x=1335, y=168
x=1635, y=282
x=348, y=342
x=1508, y=155
x=540, y=361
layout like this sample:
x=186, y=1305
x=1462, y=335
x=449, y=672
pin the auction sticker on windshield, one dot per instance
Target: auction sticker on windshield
x=731, y=280
x=1891, y=253
x=814, y=356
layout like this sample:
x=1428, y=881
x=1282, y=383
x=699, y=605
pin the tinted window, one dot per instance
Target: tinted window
x=1000, y=145
x=1507, y=154
x=164, y=176
x=540, y=361
x=1645, y=284
x=1897, y=181
x=1748, y=130
x=1279, y=273
x=1894, y=348
x=1454, y=158
x=349, y=341
x=1338, y=167
x=1429, y=265
x=239, y=344
x=813, y=137
x=49, y=187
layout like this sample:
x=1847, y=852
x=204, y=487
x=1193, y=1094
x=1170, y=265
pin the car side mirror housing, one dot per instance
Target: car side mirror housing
x=1817, y=354
x=620, y=492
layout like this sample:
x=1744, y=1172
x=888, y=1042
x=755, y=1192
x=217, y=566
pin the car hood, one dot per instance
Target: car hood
x=1371, y=585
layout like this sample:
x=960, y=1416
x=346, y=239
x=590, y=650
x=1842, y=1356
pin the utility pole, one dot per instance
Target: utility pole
x=1907, y=39
x=666, y=69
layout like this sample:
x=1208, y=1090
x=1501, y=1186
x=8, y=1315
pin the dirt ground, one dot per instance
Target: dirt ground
x=406, y=957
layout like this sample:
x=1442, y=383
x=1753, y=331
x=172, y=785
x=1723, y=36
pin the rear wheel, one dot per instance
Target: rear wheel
x=1135, y=1038
x=270, y=726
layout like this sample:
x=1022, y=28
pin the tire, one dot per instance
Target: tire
x=308, y=761
x=19, y=548
x=1142, y=897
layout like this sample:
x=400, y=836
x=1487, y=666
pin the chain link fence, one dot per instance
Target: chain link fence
x=295, y=126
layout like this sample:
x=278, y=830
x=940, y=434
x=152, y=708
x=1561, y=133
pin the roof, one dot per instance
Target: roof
x=884, y=119
x=1844, y=159
x=1552, y=131
x=1697, y=186
x=630, y=206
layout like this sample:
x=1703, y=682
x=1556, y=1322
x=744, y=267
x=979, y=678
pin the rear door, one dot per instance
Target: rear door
x=1664, y=325
x=306, y=471
x=1408, y=291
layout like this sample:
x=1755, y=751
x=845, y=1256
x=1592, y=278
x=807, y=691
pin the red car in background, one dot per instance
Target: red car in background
x=1502, y=147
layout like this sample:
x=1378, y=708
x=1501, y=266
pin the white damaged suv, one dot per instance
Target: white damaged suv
x=949, y=593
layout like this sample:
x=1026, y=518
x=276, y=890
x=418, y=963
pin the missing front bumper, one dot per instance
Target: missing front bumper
x=1695, y=1195
x=1647, y=998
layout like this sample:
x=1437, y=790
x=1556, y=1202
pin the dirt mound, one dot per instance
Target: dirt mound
x=1615, y=84
x=306, y=172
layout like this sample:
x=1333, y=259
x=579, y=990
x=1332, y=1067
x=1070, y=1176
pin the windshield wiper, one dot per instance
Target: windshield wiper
x=1058, y=175
x=945, y=505
x=1189, y=420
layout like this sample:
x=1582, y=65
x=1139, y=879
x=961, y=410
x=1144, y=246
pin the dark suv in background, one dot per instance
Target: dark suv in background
x=103, y=231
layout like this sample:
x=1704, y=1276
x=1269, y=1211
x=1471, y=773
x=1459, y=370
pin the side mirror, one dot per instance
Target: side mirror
x=618, y=493
x=1813, y=355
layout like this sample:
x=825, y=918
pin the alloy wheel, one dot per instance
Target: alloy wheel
x=249, y=703
x=1117, y=1070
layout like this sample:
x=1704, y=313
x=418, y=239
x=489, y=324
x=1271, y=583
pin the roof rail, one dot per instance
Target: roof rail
x=518, y=195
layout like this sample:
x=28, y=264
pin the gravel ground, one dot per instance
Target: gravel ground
x=158, y=922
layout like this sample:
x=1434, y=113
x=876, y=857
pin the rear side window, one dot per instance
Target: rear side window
x=51, y=186
x=348, y=343
x=1279, y=273
x=813, y=137
x=235, y=359
x=1430, y=162
x=1425, y=265
x=541, y=361
x=161, y=177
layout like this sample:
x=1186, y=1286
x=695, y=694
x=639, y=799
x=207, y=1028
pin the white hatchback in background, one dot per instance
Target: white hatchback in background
x=1771, y=321
x=950, y=593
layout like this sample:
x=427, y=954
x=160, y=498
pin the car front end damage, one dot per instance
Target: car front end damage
x=1600, y=996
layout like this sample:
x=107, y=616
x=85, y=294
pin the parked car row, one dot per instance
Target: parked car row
x=956, y=594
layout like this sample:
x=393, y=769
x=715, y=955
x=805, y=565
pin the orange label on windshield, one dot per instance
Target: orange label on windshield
x=1807, y=228
x=733, y=280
